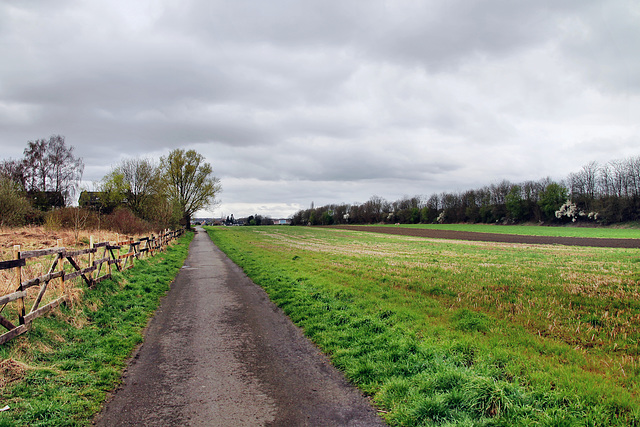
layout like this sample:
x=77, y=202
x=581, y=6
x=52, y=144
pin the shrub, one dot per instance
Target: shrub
x=14, y=207
x=71, y=218
x=124, y=221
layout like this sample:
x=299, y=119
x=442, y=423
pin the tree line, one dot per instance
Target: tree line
x=604, y=194
x=153, y=194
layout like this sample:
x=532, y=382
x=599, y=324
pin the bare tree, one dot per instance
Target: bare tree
x=36, y=165
x=49, y=165
x=617, y=180
x=632, y=176
x=139, y=182
x=14, y=171
x=433, y=202
x=374, y=208
x=65, y=169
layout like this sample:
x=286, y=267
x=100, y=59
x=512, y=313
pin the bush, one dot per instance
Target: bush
x=124, y=221
x=14, y=207
x=71, y=218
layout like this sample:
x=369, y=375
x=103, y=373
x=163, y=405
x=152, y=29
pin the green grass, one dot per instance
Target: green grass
x=533, y=230
x=63, y=368
x=460, y=333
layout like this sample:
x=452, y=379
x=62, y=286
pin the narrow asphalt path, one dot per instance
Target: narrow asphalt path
x=219, y=353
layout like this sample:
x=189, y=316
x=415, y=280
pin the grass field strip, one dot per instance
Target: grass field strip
x=522, y=280
x=565, y=318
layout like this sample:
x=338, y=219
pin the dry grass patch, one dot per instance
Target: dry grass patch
x=11, y=370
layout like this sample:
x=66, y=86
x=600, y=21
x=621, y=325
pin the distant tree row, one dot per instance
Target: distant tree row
x=608, y=193
x=258, y=220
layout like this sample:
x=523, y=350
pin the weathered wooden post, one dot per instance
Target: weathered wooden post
x=61, y=267
x=91, y=259
x=109, y=253
x=18, y=282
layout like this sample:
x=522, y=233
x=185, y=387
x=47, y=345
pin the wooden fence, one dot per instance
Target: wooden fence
x=66, y=265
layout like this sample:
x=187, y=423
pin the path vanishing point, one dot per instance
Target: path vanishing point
x=218, y=352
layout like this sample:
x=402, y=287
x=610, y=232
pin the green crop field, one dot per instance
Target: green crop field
x=533, y=230
x=460, y=333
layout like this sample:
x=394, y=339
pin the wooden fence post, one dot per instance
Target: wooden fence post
x=110, y=256
x=18, y=282
x=91, y=258
x=61, y=268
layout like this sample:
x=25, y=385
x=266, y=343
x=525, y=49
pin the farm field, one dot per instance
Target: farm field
x=467, y=333
x=534, y=230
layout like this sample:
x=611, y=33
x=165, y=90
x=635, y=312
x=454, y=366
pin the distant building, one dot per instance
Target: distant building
x=46, y=200
x=91, y=199
x=204, y=221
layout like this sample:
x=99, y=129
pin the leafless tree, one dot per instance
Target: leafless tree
x=499, y=192
x=65, y=169
x=36, y=165
x=141, y=179
x=14, y=171
x=633, y=175
x=49, y=165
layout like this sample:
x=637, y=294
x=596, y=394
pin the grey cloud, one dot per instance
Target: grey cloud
x=604, y=40
x=324, y=162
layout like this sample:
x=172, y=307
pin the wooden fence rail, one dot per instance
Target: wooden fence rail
x=66, y=265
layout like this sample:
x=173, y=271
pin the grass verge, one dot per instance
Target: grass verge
x=456, y=333
x=59, y=373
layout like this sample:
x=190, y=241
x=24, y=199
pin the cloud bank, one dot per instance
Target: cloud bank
x=333, y=101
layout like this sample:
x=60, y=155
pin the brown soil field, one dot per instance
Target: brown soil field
x=502, y=238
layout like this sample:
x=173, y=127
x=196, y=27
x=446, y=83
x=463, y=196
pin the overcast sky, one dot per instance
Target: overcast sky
x=327, y=101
